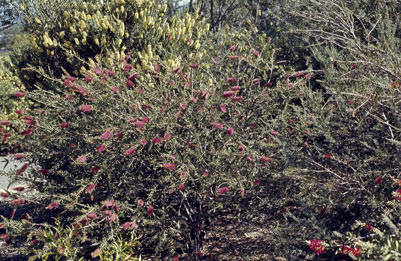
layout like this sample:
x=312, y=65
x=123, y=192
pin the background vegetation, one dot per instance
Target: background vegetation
x=141, y=124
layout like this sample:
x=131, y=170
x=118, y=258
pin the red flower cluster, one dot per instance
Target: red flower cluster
x=316, y=246
x=355, y=251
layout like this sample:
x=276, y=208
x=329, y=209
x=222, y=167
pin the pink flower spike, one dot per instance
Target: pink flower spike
x=81, y=159
x=105, y=136
x=265, y=159
x=19, y=155
x=139, y=124
x=275, y=133
x=156, y=140
x=97, y=71
x=88, y=79
x=217, y=125
x=256, y=183
x=255, y=81
x=379, y=180
x=133, y=76
x=5, y=123
x=233, y=57
x=236, y=99
x=167, y=136
x=140, y=203
x=18, y=94
x=231, y=79
x=223, y=108
x=143, y=142
x=222, y=190
x=18, y=202
x=115, y=89
x=241, y=148
x=181, y=187
x=64, y=125
x=235, y=88
x=328, y=155
x=150, y=210
x=233, y=48
x=194, y=66
x=85, y=108
x=227, y=94
x=126, y=225
x=230, y=131
x=183, y=106
x=94, y=169
x=90, y=188
x=130, y=83
x=101, y=148
x=255, y=53
x=53, y=205
x=22, y=169
x=169, y=166
x=129, y=151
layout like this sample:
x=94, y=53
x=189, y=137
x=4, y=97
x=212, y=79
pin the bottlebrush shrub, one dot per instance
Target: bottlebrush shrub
x=154, y=151
x=66, y=29
x=14, y=107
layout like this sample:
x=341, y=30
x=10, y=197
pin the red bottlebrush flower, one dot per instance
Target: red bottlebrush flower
x=19, y=155
x=115, y=89
x=227, y=94
x=233, y=57
x=53, y=205
x=126, y=225
x=181, y=187
x=19, y=188
x=307, y=132
x=105, y=136
x=351, y=250
x=187, y=85
x=354, y=66
x=156, y=140
x=222, y=190
x=4, y=236
x=256, y=183
x=236, y=99
x=112, y=218
x=71, y=78
x=101, y=148
x=133, y=76
x=194, y=66
x=22, y=169
x=4, y=194
x=45, y=171
x=97, y=71
x=5, y=123
x=223, y=108
x=140, y=124
x=230, y=131
x=90, y=188
x=231, y=79
x=26, y=132
x=18, y=94
x=176, y=70
x=316, y=246
x=306, y=144
x=217, y=125
x=82, y=91
x=183, y=106
x=108, y=203
x=118, y=135
x=19, y=112
x=64, y=125
x=150, y=210
x=265, y=159
x=233, y=48
x=275, y=133
x=167, y=136
x=130, y=83
x=68, y=97
x=92, y=216
x=18, y=202
x=235, y=88
x=84, y=222
x=145, y=119
x=205, y=174
x=85, y=108
x=127, y=67
x=298, y=74
x=328, y=155
x=140, y=203
x=256, y=81
x=156, y=68
x=88, y=79
x=368, y=227
x=143, y=142
x=176, y=257
x=169, y=166
x=67, y=83
x=255, y=53
x=308, y=76
x=94, y=169
x=7, y=134
x=130, y=151
x=379, y=180
x=240, y=148
x=81, y=159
